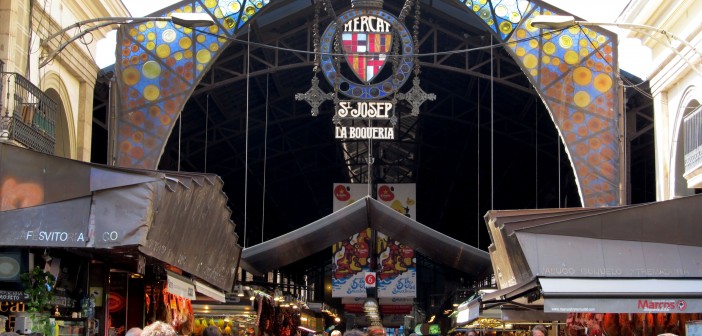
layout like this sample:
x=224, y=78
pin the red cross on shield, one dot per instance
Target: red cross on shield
x=366, y=52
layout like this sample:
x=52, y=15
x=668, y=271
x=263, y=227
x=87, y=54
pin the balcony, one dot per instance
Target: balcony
x=28, y=115
x=693, y=148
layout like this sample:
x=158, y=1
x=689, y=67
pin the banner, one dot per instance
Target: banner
x=352, y=256
x=351, y=262
x=347, y=193
x=401, y=197
x=397, y=268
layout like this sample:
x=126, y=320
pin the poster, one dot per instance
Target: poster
x=352, y=256
x=397, y=264
x=347, y=193
x=351, y=261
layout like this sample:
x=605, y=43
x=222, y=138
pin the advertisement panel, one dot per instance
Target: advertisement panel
x=352, y=256
x=351, y=262
x=397, y=269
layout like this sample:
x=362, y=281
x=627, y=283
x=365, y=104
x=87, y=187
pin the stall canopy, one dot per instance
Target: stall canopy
x=179, y=218
x=366, y=212
x=645, y=256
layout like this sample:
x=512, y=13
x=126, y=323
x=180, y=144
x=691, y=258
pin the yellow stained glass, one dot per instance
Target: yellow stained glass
x=505, y=27
x=603, y=82
x=549, y=48
x=151, y=92
x=204, y=56
x=571, y=57
x=530, y=61
x=185, y=42
x=581, y=98
x=151, y=69
x=565, y=41
x=163, y=51
x=582, y=76
x=131, y=76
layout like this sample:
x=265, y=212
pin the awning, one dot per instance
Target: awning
x=653, y=240
x=505, y=305
x=366, y=212
x=208, y=291
x=179, y=218
x=630, y=259
x=622, y=295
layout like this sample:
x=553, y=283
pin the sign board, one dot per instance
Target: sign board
x=180, y=286
x=370, y=279
x=622, y=305
x=13, y=296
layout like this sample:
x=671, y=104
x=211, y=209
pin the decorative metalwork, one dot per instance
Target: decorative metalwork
x=29, y=116
x=416, y=96
x=575, y=72
x=330, y=67
x=314, y=96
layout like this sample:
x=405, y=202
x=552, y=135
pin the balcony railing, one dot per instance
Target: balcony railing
x=693, y=140
x=28, y=115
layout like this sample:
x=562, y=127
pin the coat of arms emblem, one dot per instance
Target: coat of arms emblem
x=366, y=40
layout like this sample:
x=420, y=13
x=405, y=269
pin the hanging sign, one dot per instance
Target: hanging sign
x=180, y=286
x=370, y=279
x=369, y=39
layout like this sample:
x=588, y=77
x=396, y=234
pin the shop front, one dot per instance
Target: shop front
x=621, y=270
x=130, y=233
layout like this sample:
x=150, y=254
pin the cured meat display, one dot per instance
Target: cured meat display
x=169, y=308
x=634, y=324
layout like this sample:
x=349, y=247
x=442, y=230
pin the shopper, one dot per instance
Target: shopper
x=376, y=331
x=159, y=328
x=9, y=333
x=211, y=331
x=539, y=330
x=354, y=332
x=336, y=333
x=133, y=332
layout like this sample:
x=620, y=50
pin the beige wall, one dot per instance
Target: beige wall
x=72, y=74
x=673, y=81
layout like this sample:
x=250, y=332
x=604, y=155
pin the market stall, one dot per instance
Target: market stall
x=616, y=271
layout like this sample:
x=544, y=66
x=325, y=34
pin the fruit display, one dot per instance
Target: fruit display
x=227, y=325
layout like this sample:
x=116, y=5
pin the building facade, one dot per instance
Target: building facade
x=47, y=103
x=675, y=76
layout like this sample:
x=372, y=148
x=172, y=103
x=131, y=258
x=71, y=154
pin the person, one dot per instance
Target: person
x=336, y=333
x=211, y=331
x=539, y=330
x=471, y=333
x=136, y=331
x=354, y=332
x=159, y=328
x=376, y=331
x=9, y=333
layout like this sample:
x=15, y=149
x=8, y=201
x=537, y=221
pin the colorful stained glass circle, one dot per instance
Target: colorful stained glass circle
x=131, y=76
x=151, y=69
x=168, y=35
x=565, y=41
x=603, y=82
x=151, y=92
x=582, y=76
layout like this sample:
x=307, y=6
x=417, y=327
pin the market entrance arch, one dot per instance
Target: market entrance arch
x=574, y=72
